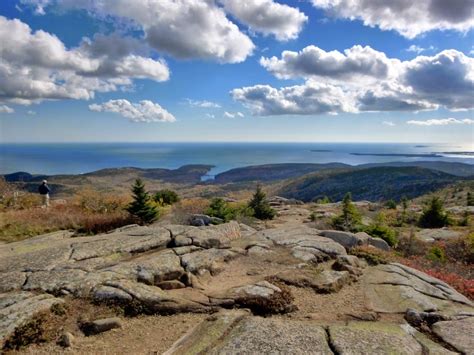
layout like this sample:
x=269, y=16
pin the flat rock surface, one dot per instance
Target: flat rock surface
x=431, y=235
x=458, y=333
x=373, y=338
x=394, y=287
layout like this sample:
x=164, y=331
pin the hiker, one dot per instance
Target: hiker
x=44, y=190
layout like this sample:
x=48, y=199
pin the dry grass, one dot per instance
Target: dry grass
x=88, y=212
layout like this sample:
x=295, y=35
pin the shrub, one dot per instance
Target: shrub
x=409, y=246
x=141, y=208
x=220, y=209
x=373, y=256
x=461, y=249
x=379, y=229
x=166, y=197
x=434, y=216
x=260, y=206
x=96, y=202
x=324, y=200
x=470, y=199
x=436, y=254
x=391, y=204
x=350, y=219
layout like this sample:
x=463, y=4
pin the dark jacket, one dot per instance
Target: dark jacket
x=43, y=189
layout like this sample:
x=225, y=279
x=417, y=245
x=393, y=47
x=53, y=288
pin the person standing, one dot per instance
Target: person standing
x=44, y=191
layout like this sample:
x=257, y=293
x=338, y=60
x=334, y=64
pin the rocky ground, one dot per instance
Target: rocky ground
x=285, y=288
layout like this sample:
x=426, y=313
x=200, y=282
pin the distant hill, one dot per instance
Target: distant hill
x=373, y=184
x=271, y=172
x=184, y=174
x=458, y=169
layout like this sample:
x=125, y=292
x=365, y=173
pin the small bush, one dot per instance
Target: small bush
x=220, y=209
x=436, y=254
x=166, y=197
x=391, y=205
x=379, y=229
x=470, y=199
x=323, y=201
x=373, y=256
x=409, y=246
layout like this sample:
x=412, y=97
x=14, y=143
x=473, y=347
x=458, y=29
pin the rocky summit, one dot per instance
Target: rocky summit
x=286, y=289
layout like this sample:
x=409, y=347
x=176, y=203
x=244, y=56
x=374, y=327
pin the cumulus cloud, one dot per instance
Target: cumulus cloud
x=409, y=18
x=202, y=103
x=363, y=79
x=6, y=109
x=180, y=28
x=143, y=111
x=314, y=61
x=310, y=98
x=233, y=114
x=442, y=122
x=268, y=17
x=36, y=65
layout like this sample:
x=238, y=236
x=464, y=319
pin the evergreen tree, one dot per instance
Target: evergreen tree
x=166, y=197
x=404, y=202
x=142, y=208
x=434, y=216
x=220, y=209
x=260, y=206
x=350, y=219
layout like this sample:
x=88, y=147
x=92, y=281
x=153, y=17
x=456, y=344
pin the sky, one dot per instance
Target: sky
x=232, y=70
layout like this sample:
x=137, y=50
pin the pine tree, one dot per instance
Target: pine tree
x=260, y=206
x=141, y=207
x=350, y=219
x=434, y=216
x=470, y=199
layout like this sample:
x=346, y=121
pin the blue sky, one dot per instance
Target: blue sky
x=394, y=78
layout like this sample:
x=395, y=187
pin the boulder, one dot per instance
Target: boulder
x=209, y=260
x=379, y=244
x=261, y=297
x=66, y=340
x=326, y=281
x=346, y=239
x=101, y=325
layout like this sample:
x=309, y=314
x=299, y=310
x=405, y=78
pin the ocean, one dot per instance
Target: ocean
x=77, y=158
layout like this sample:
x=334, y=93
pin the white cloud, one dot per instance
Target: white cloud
x=314, y=61
x=363, y=79
x=210, y=115
x=36, y=65
x=180, y=28
x=307, y=99
x=416, y=49
x=268, y=17
x=388, y=123
x=442, y=122
x=233, y=114
x=144, y=111
x=6, y=109
x=409, y=18
x=202, y=103
x=31, y=113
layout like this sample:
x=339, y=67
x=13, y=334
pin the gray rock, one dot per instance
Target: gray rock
x=326, y=281
x=101, y=325
x=209, y=260
x=372, y=338
x=261, y=297
x=66, y=340
x=457, y=333
x=379, y=244
x=346, y=239
x=394, y=288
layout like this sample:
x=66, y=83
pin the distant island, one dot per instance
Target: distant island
x=429, y=155
x=421, y=146
x=321, y=150
x=458, y=153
